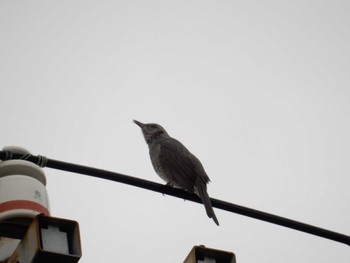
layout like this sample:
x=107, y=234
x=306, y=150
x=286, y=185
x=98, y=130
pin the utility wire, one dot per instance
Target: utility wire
x=126, y=179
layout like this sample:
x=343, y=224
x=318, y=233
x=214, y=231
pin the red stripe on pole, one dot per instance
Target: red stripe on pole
x=23, y=204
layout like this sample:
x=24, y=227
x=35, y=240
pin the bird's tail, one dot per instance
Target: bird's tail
x=201, y=191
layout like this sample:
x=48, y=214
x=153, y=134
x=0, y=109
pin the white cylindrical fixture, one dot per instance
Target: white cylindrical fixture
x=22, y=195
x=22, y=188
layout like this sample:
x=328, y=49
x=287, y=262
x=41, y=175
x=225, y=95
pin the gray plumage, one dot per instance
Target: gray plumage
x=176, y=165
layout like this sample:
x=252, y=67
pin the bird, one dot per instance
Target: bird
x=176, y=165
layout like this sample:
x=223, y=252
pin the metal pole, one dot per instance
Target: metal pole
x=121, y=178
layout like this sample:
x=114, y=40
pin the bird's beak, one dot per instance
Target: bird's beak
x=139, y=123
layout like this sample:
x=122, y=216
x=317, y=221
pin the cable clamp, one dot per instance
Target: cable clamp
x=42, y=161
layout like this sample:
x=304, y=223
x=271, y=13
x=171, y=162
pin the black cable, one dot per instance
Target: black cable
x=117, y=177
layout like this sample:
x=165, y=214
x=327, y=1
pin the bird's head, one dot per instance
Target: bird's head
x=151, y=131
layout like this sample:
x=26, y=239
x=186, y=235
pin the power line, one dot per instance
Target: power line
x=126, y=179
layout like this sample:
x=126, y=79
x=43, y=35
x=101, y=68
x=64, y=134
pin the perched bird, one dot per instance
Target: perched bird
x=176, y=165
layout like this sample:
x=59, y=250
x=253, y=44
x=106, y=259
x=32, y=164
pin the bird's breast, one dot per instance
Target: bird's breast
x=154, y=152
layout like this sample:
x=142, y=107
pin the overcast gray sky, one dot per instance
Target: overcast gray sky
x=257, y=90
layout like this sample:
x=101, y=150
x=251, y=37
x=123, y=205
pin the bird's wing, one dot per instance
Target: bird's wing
x=178, y=164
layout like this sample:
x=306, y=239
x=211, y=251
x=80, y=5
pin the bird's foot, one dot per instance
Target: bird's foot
x=170, y=185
